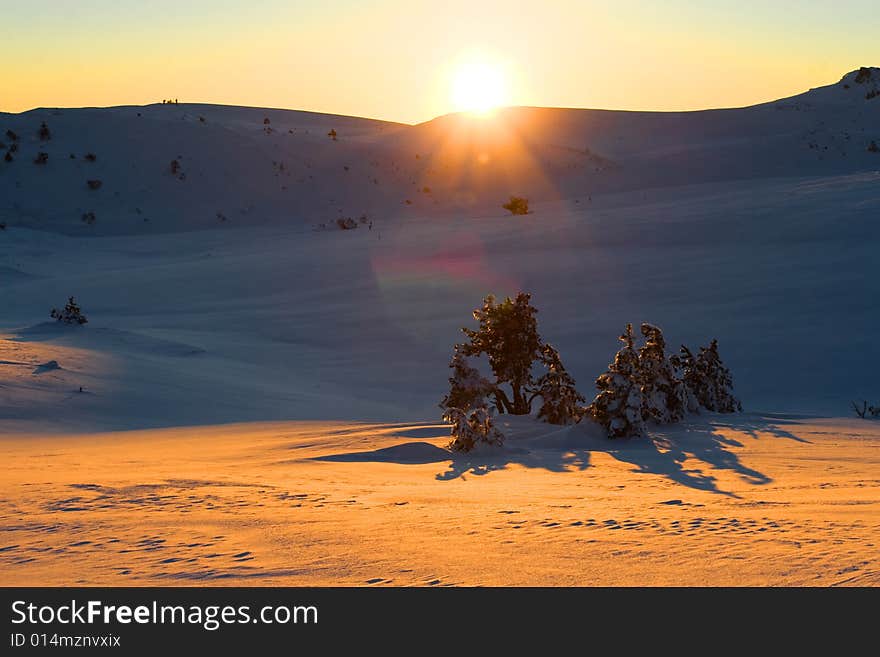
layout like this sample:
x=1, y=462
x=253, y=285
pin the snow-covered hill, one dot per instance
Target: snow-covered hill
x=179, y=167
x=214, y=295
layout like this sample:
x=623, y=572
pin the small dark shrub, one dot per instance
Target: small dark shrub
x=44, y=133
x=863, y=76
x=873, y=148
x=11, y=135
x=175, y=167
x=517, y=205
x=88, y=218
x=90, y=157
x=332, y=134
x=94, y=184
x=866, y=410
x=71, y=314
x=41, y=158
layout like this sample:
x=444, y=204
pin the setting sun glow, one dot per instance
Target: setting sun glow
x=479, y=86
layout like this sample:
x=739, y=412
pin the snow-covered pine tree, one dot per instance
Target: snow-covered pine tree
x=618, y=406
x=684, y=364
x=664, y=394
x=467, y=387
x=716, y=391
x=471, y=427
x=71, y=314
x=465, y=406
x=562, y=403
x=508, y=336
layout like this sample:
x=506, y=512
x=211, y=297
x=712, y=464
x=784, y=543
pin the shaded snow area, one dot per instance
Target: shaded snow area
x=239, y=324
x=271, y=313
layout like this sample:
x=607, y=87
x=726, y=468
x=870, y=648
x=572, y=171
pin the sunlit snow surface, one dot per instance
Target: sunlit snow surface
x=229, y=295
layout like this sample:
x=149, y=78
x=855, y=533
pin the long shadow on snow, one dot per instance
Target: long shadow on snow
x=670, y=452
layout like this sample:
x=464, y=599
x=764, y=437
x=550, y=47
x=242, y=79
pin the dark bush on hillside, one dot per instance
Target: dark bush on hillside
x=44, y=133
x=873, y=148
x=11, y=135
x=346, y=223
x=866, y=410
x=175, y=167
x=517, y=205
x=70, y=314
x=90, y=157
x=8, y=157
x=88, y=218
x=332, y=134
x=94, y=184
x=41, y=158
x=864, y=75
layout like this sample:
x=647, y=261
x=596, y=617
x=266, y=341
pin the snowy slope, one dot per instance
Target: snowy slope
x=234, y=168
x=258, y=315
x=249, y=324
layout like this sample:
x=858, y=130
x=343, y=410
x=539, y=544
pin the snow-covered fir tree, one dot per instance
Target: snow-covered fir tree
x=466, y=408
x=472, y=427
x=715, y=392
x=664, y=395
x=619, y=405
x=562, y=403
x=467, y=387
x=70, y=314
x=685, y=366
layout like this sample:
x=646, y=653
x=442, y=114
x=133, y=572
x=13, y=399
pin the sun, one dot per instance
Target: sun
x=479, y=86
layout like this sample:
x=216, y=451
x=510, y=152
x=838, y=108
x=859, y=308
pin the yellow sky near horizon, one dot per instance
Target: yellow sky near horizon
x=399, y=61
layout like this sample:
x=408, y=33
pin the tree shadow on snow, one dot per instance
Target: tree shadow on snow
x=678, y=452
x=768, y=423
x=554, y=460
x=674, y=458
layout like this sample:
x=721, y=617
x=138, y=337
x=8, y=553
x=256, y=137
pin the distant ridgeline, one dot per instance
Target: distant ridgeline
x=178, y=166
